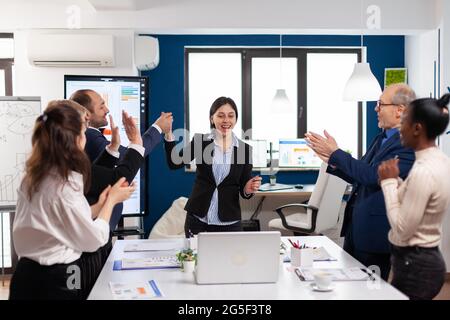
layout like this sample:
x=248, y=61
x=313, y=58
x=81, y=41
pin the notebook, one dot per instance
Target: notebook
x=277, y=186
x=238, y=257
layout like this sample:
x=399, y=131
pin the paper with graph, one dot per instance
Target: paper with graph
x=17, y=118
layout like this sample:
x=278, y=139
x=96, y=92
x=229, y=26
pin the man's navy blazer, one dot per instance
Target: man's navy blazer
x=96, y=142
x=365, y=212
x=95, y=145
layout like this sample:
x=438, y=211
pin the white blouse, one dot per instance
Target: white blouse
x=56, y=226
x=416, y=207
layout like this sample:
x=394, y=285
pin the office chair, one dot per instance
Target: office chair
x=320, y=213
x=171, y=223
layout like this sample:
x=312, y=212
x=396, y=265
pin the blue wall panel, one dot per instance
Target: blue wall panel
x=167, y=94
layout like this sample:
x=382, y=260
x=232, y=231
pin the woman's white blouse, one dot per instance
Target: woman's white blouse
x=56, y=225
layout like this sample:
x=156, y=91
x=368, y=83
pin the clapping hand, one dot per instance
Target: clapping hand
x=115, y=136
x=165, y=122
x=322, y=146
x=120, y=191
x=388, y=169
x=131, y=129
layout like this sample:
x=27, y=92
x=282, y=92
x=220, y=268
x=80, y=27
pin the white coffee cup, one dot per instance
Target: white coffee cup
x=323, y=280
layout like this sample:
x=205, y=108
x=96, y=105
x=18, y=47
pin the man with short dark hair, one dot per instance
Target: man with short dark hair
x=96, y=141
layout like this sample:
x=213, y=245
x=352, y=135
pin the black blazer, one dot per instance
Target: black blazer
x=201, y=149
x=106, y=170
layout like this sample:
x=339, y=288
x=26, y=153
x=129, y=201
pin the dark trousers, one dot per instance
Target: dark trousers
x=194, y=226
x=32, y=281
x=418, y=272
x=382, y=260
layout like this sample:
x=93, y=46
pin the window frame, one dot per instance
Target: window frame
x=6, y=65
x=247, y=53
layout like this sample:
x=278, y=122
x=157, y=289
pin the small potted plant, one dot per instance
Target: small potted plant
x=187, y=257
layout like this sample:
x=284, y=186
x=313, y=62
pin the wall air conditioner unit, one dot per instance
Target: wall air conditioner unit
x=71, y=50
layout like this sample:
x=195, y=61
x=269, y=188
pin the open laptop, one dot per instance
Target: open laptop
x=238, y=257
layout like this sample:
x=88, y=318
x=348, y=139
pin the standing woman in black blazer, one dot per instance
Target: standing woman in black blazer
x=223, y=172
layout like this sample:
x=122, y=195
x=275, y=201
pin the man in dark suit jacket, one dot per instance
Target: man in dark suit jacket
x=96, y=141
x=365, y=224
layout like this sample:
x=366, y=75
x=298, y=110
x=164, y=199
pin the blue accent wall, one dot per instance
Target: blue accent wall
x=167, y=94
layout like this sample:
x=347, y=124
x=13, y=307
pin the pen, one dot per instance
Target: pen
x=293, y=244
x=371, y=277
x=299, y=275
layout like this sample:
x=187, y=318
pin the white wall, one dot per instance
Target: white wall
x=420, y=54
x=48, y=82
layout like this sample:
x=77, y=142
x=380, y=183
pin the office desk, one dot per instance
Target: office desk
x=178, y=285
x=294, y=193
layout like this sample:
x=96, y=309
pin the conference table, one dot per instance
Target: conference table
x=178, y=285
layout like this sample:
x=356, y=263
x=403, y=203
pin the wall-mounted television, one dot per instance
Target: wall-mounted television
x=120, y=93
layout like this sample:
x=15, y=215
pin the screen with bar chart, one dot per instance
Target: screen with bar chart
x=296, y=153
x=120, y=93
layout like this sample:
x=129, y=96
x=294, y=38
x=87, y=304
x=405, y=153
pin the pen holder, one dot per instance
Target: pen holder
x=302, y=257
x=188, y=266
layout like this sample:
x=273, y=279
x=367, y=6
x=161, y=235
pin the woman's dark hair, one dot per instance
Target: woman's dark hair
x=431, y=113
x=218, y=103
x=55, y=146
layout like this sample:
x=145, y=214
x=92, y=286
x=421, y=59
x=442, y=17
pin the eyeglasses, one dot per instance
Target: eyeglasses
x=381, y=104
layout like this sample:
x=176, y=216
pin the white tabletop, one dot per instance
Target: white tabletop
x=178, y=285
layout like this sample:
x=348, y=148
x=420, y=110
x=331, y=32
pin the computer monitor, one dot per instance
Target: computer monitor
x=295, y=153
x=120, y=93
x=259, y=153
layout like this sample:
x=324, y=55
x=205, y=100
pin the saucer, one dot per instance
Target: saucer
x=316, y=288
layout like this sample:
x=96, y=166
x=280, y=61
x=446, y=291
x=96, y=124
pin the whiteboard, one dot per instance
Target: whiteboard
x=17, y=118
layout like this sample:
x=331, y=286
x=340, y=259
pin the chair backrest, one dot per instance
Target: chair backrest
x=327, y=197
x=171, y=223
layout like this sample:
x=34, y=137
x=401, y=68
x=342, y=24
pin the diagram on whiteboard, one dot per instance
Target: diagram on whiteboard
x=17, y=118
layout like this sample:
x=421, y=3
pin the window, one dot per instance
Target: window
x=6, y=63
x=327, y=74
x=7, y=257
x=266, y=79
x=5, y=240
x=211, y=75
x=314, y=80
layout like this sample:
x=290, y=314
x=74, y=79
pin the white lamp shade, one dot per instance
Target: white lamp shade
x=280, y=102
x=362, y=85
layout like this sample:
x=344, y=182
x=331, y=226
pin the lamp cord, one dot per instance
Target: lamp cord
x=281, y=43
x=361, y=12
